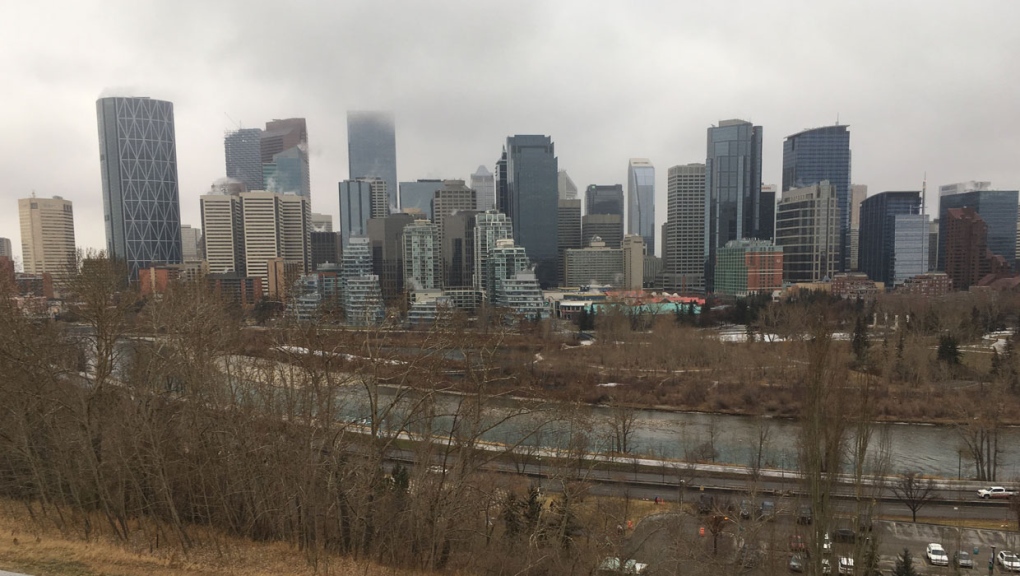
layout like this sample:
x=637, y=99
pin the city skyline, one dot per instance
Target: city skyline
x=908, y=117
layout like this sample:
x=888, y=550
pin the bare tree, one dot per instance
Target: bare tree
x=914, y=492
x=622, y=420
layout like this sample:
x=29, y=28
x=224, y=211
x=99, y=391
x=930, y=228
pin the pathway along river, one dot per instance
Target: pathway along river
x=930, y=449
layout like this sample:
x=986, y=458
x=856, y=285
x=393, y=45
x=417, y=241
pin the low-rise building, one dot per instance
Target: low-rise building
x=745, y=267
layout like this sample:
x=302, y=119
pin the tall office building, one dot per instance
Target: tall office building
x=138, y=161
x=422, y=259
x=733, y=182
x=355, y=209
x=858, y=192
x=767, y=219
x=386, y=238
x=812, y=156
x=604, y=199
x=569, y=234
x=243, y=153
x=565, y=187
x=684, y=237
x=998, y=208
x=807, y=228
x=502, y=185
x=191, y=243
x=372, y=149
x=532, y=170
x=418, y=195
x=595, y=264
x=641, y=201
x=284, y=154
x=458, y=249
x=223, y=223
x=452, y=197
x=275, y=226
x=889, y=222
x=490, y=227
x=5, y=248
x=322, y=222
x=608, y=227
x=325, y=247
x=47, y=235
x=484, y=184
x=634, y=252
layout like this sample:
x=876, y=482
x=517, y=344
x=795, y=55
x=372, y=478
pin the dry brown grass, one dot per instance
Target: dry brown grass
x=39, y=548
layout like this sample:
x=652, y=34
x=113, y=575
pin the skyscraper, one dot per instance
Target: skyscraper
x=490, y=227
x=484, y=184
x=641, y=201
x=569, y=233
x=532, y=193
x=5, y=248
x=355, y=209
x=565, y=187
x=47, y=235
x=191, y=243
x=138, y=161
x=604, y=199
x=807, y=228
x=998, y=208
x=967, y=256
x=888, y=223
x=284, y=153
x=386, y=238
x=733, y=182
x=812, y=156
x=422, y=260
x=452, y=197
x=858, y=192
x=372, y=149
x=608, y=227
x=223, y=223
x=275, y=226
x=243, y=153
x=458, y=249
x=684, y=236
x=419, y=195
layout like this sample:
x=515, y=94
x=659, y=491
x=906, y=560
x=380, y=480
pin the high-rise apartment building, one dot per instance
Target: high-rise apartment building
x=532, y=191
x=243, y=154
x=138, y=162
x=505, y=260
x=604, y=199
x=889, y=222
x=490, y=227
x=967, y=256
x=361, y=293
x=484, y=184
x=684, y=235
x=812, y=156
x=418, y=195
x=733, y=182
x=284, y=153
x=858, y=192
x=998, y=208
x=47, y=235
x=641, y=201
x=569, y=234
x=372, y=149
x=807, y=228
x=452, y=197
x=422, y=257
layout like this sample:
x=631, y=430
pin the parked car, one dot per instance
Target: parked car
x=1008, y=561
x=796, y=563
x=826, y=566
x=767, y=511
x=804, y=515
x=962, y=559
x=826, y=544
x=706, y=504
x=797, y=543
x=994, y=492
x=844, y=535
x=937, y=555
x=846, y=566
x=745, y=509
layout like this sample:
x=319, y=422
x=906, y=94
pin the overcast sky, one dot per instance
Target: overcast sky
x=924, y=86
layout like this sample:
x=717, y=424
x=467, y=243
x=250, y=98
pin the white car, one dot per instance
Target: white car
x=1008, y=561
x=846, y=566
x=937, y=555
x=826, y=544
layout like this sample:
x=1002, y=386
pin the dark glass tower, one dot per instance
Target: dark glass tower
x=733, y=186
x=138, y=161
x=880, y=215
x=604, y=199
x=998, y=208
x=243, y=153
x=820, y=154
x=372, y=149
x=533, y=200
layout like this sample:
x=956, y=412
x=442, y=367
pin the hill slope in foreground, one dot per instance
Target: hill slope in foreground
x=39, y=549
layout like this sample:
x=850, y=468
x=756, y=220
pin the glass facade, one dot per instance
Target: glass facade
x=355, y=209
x=812, y=156
x=733, y=183
x=604, y=199
x=242, y=151
x=878, y=243
x=533, y=196
x=641, y=201
x=418, y=195
x=998, y=208
x=138, y=161
x=372, y=149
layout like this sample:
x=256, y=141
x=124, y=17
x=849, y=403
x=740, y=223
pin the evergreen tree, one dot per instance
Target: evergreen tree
x=905, y=564
x=859, y=341
x=949, y=350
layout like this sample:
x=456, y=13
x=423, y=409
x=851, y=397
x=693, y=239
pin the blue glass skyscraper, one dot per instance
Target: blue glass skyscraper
x=533, y=200
x=372, y=149
x=641, y=201
x=893, y=239
x=820, y=154
x=138, y=162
